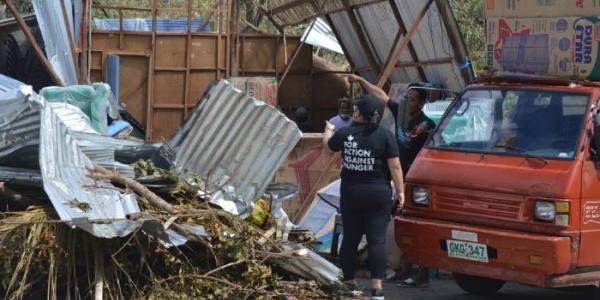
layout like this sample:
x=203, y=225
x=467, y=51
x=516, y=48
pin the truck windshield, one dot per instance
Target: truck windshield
x=516, y=122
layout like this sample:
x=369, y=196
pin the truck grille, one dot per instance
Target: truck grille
x=479, y=204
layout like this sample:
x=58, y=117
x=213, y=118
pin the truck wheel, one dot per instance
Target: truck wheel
x=477, y=285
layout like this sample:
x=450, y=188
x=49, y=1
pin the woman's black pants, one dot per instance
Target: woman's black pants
x=365, y=210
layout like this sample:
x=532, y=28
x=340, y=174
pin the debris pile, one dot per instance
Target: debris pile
x=100, y=219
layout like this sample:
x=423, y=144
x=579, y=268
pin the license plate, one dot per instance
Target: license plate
x=466, y=250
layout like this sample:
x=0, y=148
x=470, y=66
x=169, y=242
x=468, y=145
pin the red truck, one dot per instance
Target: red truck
x=508, y=187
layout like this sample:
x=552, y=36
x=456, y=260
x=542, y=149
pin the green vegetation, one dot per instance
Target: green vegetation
x=469, y=14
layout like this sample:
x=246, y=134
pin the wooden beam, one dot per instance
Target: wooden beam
x=83, y=43
x=289, y=66
x=419, y=64
x=401, y=32
x=289, y=5
x=456, y=39
x=364, y=44
x=395, y=55
x=423, y=63
x=31, y=39
x=234, y=37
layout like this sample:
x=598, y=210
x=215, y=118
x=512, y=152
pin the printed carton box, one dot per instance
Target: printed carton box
x=261, y=88
x=559, y=47
x=540, y=8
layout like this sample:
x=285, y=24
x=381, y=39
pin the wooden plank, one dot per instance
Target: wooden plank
x=288, y=5
x=199, y=80
x=169, y=120
x=395, y=55
x=137, y=43
x=133, y=73
x=402, y=32
x=203, y=52
x=233, y=37
x=170, y=51
x=111, y=7
x=169, y=87
x=188, y=53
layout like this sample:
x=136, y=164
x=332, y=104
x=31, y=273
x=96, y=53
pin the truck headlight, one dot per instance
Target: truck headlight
x=545, y=211
x=421, y=195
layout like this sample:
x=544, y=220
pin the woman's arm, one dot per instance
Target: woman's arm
x=396, y=171
x=327, y=134
x=370, y=88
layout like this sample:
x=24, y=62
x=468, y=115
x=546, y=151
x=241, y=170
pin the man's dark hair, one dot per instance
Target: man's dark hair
x=419, y=88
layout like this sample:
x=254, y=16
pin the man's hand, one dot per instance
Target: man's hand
x=353, y=78
x=399, y=200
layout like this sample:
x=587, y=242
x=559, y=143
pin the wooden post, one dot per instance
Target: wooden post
x=31, y=39
x=83, y=43
x=289, y=66
x=234, y=38
x=395, y=55
x=188, y=58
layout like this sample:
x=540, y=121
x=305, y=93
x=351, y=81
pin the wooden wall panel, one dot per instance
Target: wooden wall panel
x=258, y=53
x=137, y=43
x=170, y=51
x=168, y=87
x=165, y=121
x=96, y=61
x=102, y=41
x=303, y=63
x=96, y=76
x=199, y=80
x=134, y=86
x=204, y=52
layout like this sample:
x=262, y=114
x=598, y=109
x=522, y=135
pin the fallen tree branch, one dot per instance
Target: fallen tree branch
x=101, y=173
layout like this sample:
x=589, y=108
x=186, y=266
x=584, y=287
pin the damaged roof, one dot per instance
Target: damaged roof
x=370, y=32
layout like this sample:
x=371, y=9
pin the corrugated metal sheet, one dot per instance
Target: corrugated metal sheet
x=64, y=166
x=379, y=26
x=236, y=142
x=162, y=25
x=431, y=42
x=56, y=39
x=299, y=12
x=19, y=117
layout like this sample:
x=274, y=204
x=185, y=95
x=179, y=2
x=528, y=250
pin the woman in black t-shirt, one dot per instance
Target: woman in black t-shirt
x=370, y=161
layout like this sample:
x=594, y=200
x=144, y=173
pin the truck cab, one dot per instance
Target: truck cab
x=507, y=187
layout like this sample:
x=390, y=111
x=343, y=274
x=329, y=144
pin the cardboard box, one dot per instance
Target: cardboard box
x=558, y=47
x=540, y=8
x=261, y=88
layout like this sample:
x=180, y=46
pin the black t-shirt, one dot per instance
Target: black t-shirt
x=410, y=148
x=364, y=153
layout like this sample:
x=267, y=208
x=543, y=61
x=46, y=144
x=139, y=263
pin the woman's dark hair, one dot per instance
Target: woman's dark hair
x=369, y=107
x=418, y=87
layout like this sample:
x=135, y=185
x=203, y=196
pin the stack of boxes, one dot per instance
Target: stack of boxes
x=558, y=38
x=261, y=88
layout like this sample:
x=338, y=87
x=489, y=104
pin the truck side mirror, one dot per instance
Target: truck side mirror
x=595, y=155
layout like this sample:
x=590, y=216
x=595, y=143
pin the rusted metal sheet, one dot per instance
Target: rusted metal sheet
x=238, y=143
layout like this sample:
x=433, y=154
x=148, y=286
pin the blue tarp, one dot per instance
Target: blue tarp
x=162, y=25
